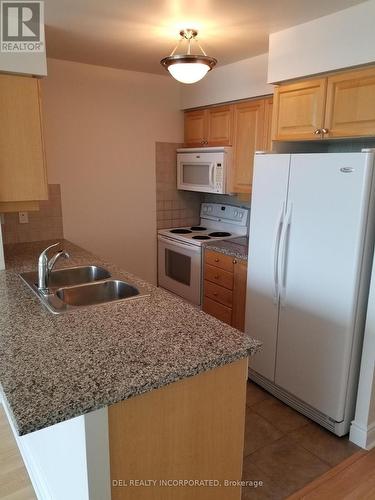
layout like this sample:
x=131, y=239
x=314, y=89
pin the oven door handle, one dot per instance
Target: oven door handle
x=185, y=246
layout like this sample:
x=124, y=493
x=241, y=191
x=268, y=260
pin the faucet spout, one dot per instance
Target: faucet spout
x=45, y=266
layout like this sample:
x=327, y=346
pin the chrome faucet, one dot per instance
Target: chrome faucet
x=45, y=267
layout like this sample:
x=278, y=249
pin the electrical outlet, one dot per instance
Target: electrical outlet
x=23, y=217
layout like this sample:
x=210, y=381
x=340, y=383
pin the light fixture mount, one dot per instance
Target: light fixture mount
x=188, y=67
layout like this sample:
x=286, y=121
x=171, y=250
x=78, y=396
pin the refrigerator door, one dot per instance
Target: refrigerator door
x=321, y=253
x=270, y=185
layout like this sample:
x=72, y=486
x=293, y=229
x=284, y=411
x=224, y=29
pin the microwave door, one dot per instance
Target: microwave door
x=194, y=176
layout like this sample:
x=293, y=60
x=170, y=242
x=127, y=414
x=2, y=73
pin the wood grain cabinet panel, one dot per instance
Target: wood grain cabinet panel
x=219, y=126
x=267, y=133
x=350, y=109
x=195, y=127
x=219, y=311
x=239, y=294
x=218, y=293
x=299, y=110
x=22, y=163
x=248, y=138
x=219, y=276
x=225, y=288
x=219, y=260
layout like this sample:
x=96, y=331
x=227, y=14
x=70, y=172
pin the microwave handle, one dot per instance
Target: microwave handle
x=212, y=175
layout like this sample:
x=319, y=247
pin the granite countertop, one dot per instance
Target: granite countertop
x=235, y=247
x=56, y=367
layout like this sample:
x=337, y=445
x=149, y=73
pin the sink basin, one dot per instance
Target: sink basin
x=97, y=293
x=69, y=276
x=77, y=276
x=75, y=287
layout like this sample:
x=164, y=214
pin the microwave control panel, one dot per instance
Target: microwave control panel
x=218, y=177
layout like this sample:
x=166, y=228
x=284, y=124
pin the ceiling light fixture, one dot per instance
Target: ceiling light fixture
x=188, y=67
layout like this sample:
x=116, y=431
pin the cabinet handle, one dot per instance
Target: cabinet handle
x=215, y=294
x=217, y=260
x=318, y=131
x=216, y=277
x=234, y=261
x=325, y=130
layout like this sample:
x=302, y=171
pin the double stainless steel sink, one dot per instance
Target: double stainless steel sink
x=82, y=286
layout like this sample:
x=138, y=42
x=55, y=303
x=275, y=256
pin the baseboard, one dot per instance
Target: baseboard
x=363, y=436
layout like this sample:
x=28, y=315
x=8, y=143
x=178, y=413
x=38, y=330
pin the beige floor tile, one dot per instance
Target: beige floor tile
x=258, y=432
x=287, y=465
x=263, y=487
x=280, y=415
x=323, y=443
x=255, y=394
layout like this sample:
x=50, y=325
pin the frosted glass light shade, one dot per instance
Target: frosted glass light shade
x=188, y=72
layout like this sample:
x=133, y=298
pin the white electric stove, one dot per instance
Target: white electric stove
x=180, y=249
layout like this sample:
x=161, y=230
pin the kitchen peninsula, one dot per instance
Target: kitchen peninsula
x=145, y=389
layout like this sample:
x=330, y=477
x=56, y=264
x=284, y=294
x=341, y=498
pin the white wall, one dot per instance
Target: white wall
x=239, y=80
x=340, y=40
x=101, y=125
x=362, y=431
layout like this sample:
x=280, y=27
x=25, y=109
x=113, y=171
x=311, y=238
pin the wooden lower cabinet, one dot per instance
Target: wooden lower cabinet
x=192, y=430
x=225, y=288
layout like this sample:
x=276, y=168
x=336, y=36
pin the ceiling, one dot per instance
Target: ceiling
x=136, y=34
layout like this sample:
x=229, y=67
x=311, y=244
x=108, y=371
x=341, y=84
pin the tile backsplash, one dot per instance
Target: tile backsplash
x=45, y=224
x=173, y=208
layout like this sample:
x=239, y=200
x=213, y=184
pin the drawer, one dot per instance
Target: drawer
x=218, y=293
x=219, y=260
x=218, y=276
x=218, y=310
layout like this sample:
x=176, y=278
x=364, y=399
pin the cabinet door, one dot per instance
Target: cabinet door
x=239, y=294
x=299, y=110
x=195, y=127
x=350, y=110
x=219, y=126
x=267, y=134
x=22, y=164
x=248, y=137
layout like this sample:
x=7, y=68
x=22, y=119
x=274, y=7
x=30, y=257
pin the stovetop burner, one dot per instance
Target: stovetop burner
x=219, y=234
x=198, y=228
x=180, y=231
x=201, y=237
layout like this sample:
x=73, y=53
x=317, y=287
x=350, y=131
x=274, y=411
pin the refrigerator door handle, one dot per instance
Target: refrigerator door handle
x=283, y=252
x=275, y=254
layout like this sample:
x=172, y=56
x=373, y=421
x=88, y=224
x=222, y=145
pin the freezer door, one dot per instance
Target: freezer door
x=270, y=186
x=321, y=252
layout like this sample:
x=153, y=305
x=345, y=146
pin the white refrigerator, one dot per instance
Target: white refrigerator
x=310, y=253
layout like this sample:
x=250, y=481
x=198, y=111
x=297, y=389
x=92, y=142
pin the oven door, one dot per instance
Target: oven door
x=179, y=268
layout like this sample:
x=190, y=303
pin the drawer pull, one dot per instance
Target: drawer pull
x=216, y=277
x=214, y=294
x=217, y=260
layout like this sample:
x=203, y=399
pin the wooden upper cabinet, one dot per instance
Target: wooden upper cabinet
x=209, y=127
x=299, y=110
x=267, y=135
x=22, y=163
x=248, y=138
x=219, y=126
x=195, y=127
x=350, y=109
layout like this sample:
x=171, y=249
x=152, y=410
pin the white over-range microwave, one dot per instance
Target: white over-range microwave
x=204, y=169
